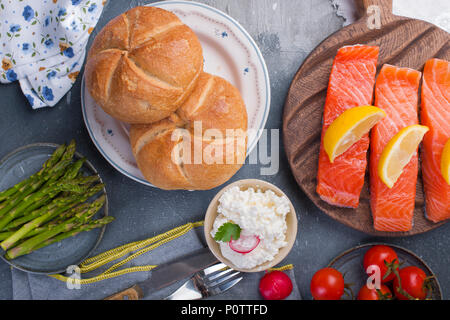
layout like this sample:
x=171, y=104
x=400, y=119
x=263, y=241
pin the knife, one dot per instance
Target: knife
x=167, y=274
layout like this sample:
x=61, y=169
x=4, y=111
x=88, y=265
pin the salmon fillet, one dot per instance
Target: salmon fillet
x=435, y=114
x=351, y=85
x=396, y=92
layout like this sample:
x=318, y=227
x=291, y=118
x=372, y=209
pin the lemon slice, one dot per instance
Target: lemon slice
x=398, y=152
x=445, y=162
x=350, y=127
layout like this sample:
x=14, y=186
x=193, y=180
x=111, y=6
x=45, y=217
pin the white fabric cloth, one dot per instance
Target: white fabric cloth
x=433, y=11
x=43, y=45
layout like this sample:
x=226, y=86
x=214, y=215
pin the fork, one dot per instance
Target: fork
x=206, y=283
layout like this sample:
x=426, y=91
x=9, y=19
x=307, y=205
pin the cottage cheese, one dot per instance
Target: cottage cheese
x=257, y=213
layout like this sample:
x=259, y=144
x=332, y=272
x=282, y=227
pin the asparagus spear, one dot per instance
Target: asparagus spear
x=57, y=156
x=76, y=209
x=64, y=169
x=51, y=190
x=38, y=204
x=81, y=217
x=73, y=172
x=93, y=209
x=39, y=197
x=48, y=176
x=32, y=233
x=91, y=192
x=73, y=169
x=49, y=226
x=54, y=158
x=17, y=197
x=60, y=202
x=81, y=182
x=64, y=206
x=52, y=170
x=35, y=180
x=59, y=219
x=6, y=235
x=32, y=228
x=71, y=233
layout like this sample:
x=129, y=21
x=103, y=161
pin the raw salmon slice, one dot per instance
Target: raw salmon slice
x=396, y=92
x=351, y=84
x=435, y=114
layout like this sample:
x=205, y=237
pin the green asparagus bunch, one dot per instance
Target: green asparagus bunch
x=50, y=206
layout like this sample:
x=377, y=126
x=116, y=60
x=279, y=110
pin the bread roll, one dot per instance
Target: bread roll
x=143, y=65
x=214, y=120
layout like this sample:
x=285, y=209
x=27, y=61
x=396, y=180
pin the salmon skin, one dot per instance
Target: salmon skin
x=396, y=92
x=351, y=85
x=435, y=114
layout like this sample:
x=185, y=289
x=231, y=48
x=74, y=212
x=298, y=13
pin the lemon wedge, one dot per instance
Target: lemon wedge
x=398, y=152
x=445, y=162
x=350, y=127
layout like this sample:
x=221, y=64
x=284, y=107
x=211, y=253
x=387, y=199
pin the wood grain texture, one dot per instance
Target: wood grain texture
x=133, y=293
x=403, y=42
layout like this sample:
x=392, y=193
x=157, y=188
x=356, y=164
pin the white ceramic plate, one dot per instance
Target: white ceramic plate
x=229, y=52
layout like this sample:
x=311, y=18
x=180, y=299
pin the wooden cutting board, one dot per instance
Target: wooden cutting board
x=403, y=42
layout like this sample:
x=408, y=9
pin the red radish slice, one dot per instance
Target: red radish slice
x=245, y=243
x=275, y=285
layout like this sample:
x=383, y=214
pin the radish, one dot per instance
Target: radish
x=275, y=285
x=245, y=243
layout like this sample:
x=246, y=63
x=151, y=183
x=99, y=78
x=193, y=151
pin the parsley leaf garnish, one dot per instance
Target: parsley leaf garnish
x=228, y=231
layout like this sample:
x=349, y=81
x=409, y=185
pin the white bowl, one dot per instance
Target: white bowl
x=291, y=221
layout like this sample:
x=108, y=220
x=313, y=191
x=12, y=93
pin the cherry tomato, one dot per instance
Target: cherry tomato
x=327, y=284
x=372, y=294
x=378, y=255
x=412, y=281
x=275, y=285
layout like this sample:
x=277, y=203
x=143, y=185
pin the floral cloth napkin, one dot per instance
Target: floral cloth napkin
x=43, y=45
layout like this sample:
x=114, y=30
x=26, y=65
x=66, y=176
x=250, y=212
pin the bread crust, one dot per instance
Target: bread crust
x=145, y=68
x=143, y=65
x=214, y=107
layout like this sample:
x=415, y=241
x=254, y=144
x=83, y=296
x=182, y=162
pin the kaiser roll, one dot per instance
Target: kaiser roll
x=143, y=65
x=199, y=147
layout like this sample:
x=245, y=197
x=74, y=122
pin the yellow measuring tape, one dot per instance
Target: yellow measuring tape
x=139, y=248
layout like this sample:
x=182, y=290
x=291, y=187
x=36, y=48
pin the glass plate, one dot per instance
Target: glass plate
x=19, y=165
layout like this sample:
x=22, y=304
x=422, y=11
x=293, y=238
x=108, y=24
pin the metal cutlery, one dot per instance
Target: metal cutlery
x=208, y=282
x=167, y=274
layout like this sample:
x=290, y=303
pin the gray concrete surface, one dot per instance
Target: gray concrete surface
x=286, y=31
